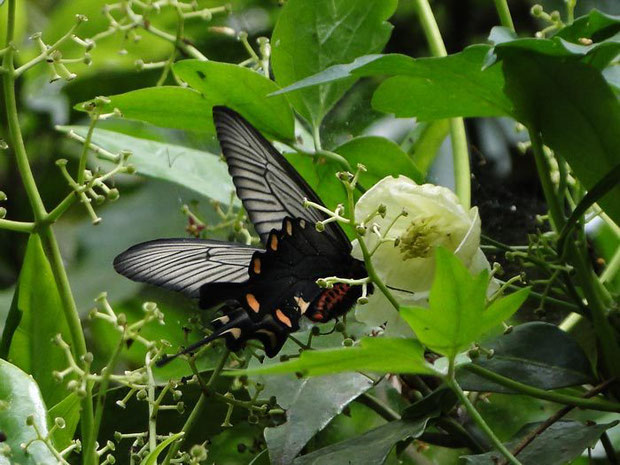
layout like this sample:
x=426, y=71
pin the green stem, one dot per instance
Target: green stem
x=17, y=226
x=47, y=235
x=379, y=407
x=565, y=399
x=585, y=275
x=103, y=387
x=94, y=116
x=477, y=418
x=370, y=268
x=196, y=412
x=62, y=207
x=460, y=154
x=504, y=14
x=611, y=270
x=75, y=329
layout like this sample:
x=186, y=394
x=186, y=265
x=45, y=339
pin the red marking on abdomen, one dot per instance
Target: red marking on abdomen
x=328, y=300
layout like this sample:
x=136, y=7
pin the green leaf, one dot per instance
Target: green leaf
x=378, y=355
x=151, y=459
x=445, y=87
x=427, y=88
x=381, y=157
x=168, y=107
x=441, y=400
x=202, y=172
x=69, y=410
x=312, y=36
x=320, y=174
x=42, y=318
x=372, y=447
x=535, y=353
x=557, y=445
x=573, y=108
x=596, y=25
x=457, y=315
x=19, y=398
x=242, y=90
x=310, y=404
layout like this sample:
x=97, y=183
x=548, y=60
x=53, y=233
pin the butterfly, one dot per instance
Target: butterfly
x=263, y=292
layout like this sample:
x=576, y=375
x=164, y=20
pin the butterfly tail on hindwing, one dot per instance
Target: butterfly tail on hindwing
x=236, y=328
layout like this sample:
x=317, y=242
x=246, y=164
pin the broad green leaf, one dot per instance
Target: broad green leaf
x=378, y=355
x=202, y=172
x=535, y=353
x=372, y=447
x=312, y=36
x=574, y=110
x=242, y=90
x=446, y=87
x=381, y=157
x=320, y=174
x=310, y=404
x=19, y=398
x=557, y=445
x=168, y=107
x=69, y=410
x=42, y=318
x=457, y=315
x=596, y=25
x=427, y=88
x=440, y=400
x=151, y=459
x=11, y=323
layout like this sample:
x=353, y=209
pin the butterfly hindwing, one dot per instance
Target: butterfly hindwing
x=184, y=265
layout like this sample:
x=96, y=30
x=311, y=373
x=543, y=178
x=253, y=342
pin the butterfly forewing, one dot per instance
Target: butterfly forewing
x=266, y=183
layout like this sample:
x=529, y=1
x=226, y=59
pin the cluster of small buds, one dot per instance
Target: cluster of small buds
x=51, y=54
x=553, y=19
x=59, y=423
x=2, y=209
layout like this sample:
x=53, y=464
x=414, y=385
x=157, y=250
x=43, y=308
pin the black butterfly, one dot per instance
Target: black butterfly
x=265, y=292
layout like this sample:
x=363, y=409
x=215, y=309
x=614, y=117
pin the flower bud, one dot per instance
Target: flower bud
x=60, y=422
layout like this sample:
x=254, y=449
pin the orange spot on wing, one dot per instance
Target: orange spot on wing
x=273, y=243
x=283, y=318
x=256, y=265
x=252, y=302
x=289, y=227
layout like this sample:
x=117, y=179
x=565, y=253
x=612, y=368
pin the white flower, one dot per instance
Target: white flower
x=434, y=217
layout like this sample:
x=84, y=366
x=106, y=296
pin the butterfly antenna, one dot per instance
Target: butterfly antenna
x=399, y=289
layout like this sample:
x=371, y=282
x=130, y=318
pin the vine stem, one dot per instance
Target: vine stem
x=44, y=228
x=477, y=418
x=17, y=226
x=583, y=271
x=504, y=14
x=462, y=172
x=370, y=268
x=196, y=412
x=565, y=399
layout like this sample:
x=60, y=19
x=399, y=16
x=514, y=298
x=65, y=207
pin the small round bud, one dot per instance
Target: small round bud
x=490, y=354
x=198, y=452
x=57, y=375
x=2, y=196
x=30, y=420
x=60, y=422
x=110, y=459
x=348, y=342
x=242, y=36
x=2, y=212
x=361, y=229
x=121, y=319
x=321, y=282
x=362, y=301
x=61, y=162
x=319, y=226
x=113, y=194
x=344, y=176
x=81, y=18
x=139, y=64
x=340, y=327
x=537, y=10
x=92, y=313
x=81, y=393
x=87, y=59
x=315, y=330
x=73, y=385
x=88, y=357
x=149, y=307
x=99, y=199
x=130, y=169
x=181, y=407
x=555, y=15
x=508, y=329
x=110, y=445
x=141, y=395
x=176, y=394
x=118, y=436
x=252, y=419
x=382, y=210
x=474, y=353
